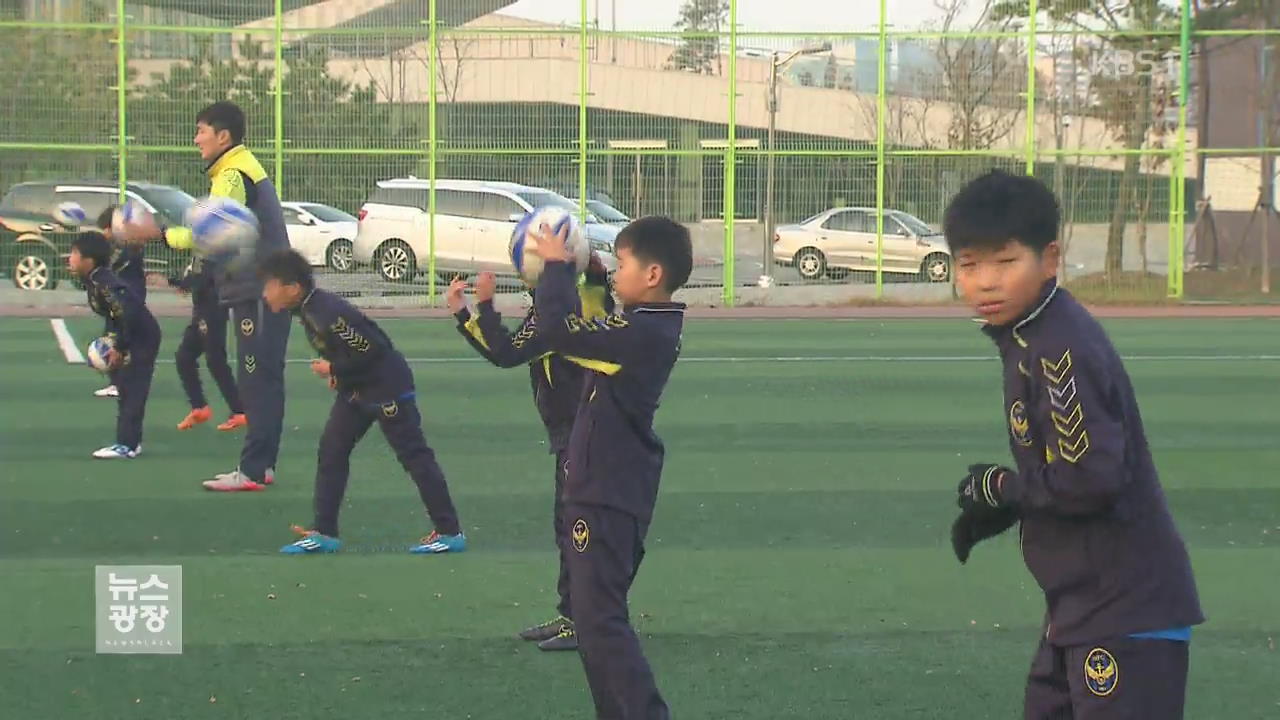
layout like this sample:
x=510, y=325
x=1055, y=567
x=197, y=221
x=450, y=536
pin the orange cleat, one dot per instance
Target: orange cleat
x=235, y=422
x=196, y=417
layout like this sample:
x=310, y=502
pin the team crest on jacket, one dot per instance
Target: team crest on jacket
x=581, y=535
x=203, y=327
x=246, y=326
x=1101, y=674
x=390, y=410
x=1019, y=426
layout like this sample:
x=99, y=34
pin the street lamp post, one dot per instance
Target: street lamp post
x=775, y=64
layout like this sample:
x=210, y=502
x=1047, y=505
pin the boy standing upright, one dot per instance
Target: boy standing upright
x=556, y=381
x=129, y=266
x=205, y=335
x=132, y=360
x=615, y=457
x=1096, y=531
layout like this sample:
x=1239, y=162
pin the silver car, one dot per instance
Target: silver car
x=840, y=240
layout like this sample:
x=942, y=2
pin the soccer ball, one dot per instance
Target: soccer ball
x=526, y=262
x=96, y=354
x=132, y=222
x=70, y=214
x=221, y=225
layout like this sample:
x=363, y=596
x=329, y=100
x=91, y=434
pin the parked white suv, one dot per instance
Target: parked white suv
x=473, y=226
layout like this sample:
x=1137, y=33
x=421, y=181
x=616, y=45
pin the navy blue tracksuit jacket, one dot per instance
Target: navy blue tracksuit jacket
x=1096, y=531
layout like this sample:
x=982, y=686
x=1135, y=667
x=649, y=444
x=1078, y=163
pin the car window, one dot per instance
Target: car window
x=402, y=196
x=608, y=213
x=914, y=224
x=849, y=221
x=171, y=202
x=290, y=216
x=34, y=199
x=459, y=203
x=894, y=226
x=94, y=203
x=324, y=213
x=541, y=199
x=500, y=207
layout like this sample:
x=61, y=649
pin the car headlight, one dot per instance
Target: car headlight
x=602, y=246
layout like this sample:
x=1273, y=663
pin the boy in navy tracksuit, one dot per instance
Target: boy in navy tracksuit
x=373, y=384
x=557, y=385
x=128, y=265
x=206, y=335
x=1096, y=531
x=136, y=335
x=615, y=458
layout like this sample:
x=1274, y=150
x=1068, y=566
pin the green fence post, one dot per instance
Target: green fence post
x=1177, y=228
x=278, y=36
x=880, y=141
x=1033, y=9
x=731, y=160
x=432, y=147
x=122, y=99
x=584, y=79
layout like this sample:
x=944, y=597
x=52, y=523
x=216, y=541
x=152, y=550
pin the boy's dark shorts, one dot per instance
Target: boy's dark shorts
x=1121, y=679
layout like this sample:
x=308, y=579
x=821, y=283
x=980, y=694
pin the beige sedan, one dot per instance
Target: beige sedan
x=837, y=241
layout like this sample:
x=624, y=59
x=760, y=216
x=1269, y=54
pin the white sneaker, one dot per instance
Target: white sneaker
x=109, y=391
x=267, y=480
x=233, y=482
x=117, y=452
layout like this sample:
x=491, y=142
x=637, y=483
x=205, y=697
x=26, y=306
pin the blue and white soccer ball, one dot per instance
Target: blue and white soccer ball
x=221, y=225
x=132, y=221
x=526, y=262
x=96, y=353
x=70, y=214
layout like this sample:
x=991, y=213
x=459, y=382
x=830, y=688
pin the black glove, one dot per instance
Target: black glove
x=981, y=487
x=977, y=524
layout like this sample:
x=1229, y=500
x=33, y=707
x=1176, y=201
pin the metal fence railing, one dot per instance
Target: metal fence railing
x=813, y=152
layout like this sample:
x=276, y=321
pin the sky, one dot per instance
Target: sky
x=814, y=16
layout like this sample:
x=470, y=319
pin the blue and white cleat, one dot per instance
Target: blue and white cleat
x=117, y=452
x=311, y=542
x=435, y=544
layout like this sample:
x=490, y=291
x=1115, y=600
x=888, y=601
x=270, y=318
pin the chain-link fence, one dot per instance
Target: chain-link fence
x=810, y=151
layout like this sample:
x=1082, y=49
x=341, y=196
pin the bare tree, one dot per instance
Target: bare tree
x=906, y=125
x=1125, y=99
x=983, y=78
x=452, y=52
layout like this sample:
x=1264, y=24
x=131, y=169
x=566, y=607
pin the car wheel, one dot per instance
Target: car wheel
x=339, y=257
x=936, y=268
x=34, y=271
x=811, y=263
x=396, y=262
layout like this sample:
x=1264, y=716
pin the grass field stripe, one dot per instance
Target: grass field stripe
x=846, y=358
x=65, y=342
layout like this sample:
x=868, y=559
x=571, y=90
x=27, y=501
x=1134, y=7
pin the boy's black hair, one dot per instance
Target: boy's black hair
x=663, y=241
x=106, y=216
x=288, y=267
x=224, y=115
x=999, y=207
x=95, y=246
